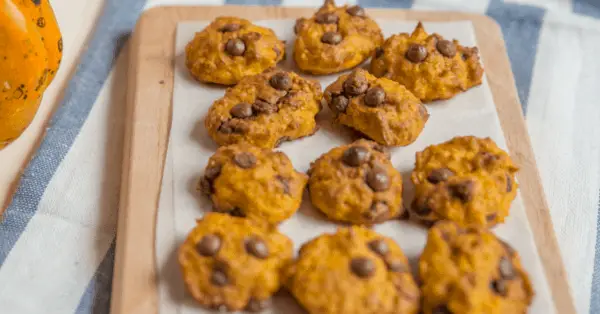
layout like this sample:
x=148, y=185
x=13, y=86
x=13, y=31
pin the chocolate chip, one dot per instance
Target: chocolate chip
x=237, y=212
x=377, y=210
x=232, y=27
x=509, y=184
x=356, y=156
x=463, y=190
x=299, y=25
x=241, y=111
x=378, y=179
x=235, y=47
x=245, y=160
x=439, y=175
x=491, y=217
x=416, y=53
x=281, y=81
x=499, y=286
x=355, y=85
x=327, y=18
x=422, y=208
x=441, y=309
x=362, y=267
x=205, y=186
x=378, y=52
x=233, y=126
x=379, y=247
x=375, y=97
x=212, y=172
x=331, y=38
x=209, y=245
x=285, y=183
x=446, y=48
x=257, y=247
x=356, y=11
x=395, y=265
x=262, y=107
x=340, y=103
x=255, y=305
x=219, y=277
x=506, y=269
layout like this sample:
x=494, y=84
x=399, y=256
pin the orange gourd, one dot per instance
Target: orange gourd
x=30, y=55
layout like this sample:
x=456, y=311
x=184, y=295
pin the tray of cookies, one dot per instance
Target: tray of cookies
x=337, y=162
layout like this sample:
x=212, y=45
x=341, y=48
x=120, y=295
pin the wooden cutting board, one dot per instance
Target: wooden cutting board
x=149, y=117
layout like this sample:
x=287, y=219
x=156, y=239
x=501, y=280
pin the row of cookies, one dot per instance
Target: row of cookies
x=333, y=40
x=231, y=264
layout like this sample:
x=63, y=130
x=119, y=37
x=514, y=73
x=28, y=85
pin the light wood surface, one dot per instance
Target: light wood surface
x=149, y=115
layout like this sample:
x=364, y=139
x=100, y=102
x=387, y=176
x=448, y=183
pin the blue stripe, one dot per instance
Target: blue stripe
x=253, y=2
x=595, y=295
x=521, y=26
x=96, y=298
x=405, y=4
x=116, y=22
x=587, y=7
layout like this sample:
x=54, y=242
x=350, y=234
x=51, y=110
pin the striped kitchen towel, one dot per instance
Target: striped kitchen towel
x=57, y=235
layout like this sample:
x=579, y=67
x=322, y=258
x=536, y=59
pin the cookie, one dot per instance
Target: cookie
x=230, y=48
x=354, y=270
x=471, y=271
x=467, y=179
x=379, y=108
x=228, y=263
x=430, y=66
x=335, y=39
x=265, y=110
x=356, y=183
x=257, y=183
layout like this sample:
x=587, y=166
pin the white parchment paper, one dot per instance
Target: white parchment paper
x=470, y=113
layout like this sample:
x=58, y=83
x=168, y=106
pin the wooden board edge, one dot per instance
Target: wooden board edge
x=134, y=284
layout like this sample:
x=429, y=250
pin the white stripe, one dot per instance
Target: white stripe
x=52, y=263
x=562, y=118
x=475, y=6
x=560, y=5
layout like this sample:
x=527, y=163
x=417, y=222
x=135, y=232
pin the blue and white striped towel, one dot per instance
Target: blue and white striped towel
x=57, y=235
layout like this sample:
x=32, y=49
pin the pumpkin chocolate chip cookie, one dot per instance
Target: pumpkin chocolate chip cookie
x=354, y=270
x=265, y=110
x=335, y=39
x=379, y=108
x=471, y=271
x=229, y=263
x=468, y=180
x=356, y=183
x=430, y=66
x=231, y=48
x=257, y=183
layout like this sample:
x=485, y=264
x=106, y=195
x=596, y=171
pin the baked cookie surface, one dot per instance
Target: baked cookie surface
x=468, y=180
x=430, y=66
x=265, y=110
x=230, y=48
x=252, y=182
x=335, y=39
x=471, y=271
x=354, y=270
x=356, y=183
x=229, y=263
x=379, y=108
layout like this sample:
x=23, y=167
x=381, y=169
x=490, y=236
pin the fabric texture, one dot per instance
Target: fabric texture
x=57, y=237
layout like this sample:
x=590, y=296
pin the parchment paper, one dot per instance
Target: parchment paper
x=470, y=113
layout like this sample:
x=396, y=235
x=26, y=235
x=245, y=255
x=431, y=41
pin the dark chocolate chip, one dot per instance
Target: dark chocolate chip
x=285, y=183
x=219, y=277
x=416, y=53
x=491, y=217
x=422, y=208
x=257, y=247
x=281, y=81
x=362, y=267
x=506, y=269
x=446, y=48
x=209, y=245
x=245, y=160
x=509, y=185
x=235, y=47
x=379, y=247
x=463, y=190
x=233, y=126
x=263, y=107
x=237, y=212
x=375, y=97
x=242, y=110
x=331, y=38
x=205, y=186
x=41, y=22
x=232, y=27
x=327, y=18
x=395, y=266
x=356, y=156
x=340, y=103
x=212, y=172
x=355, y=85
x=439, y=175
x=441, y=309
x=499, y=287
x=378, y=179
x=299, y=25
x=378, y=52
x=356, y=11
x=255, y=305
